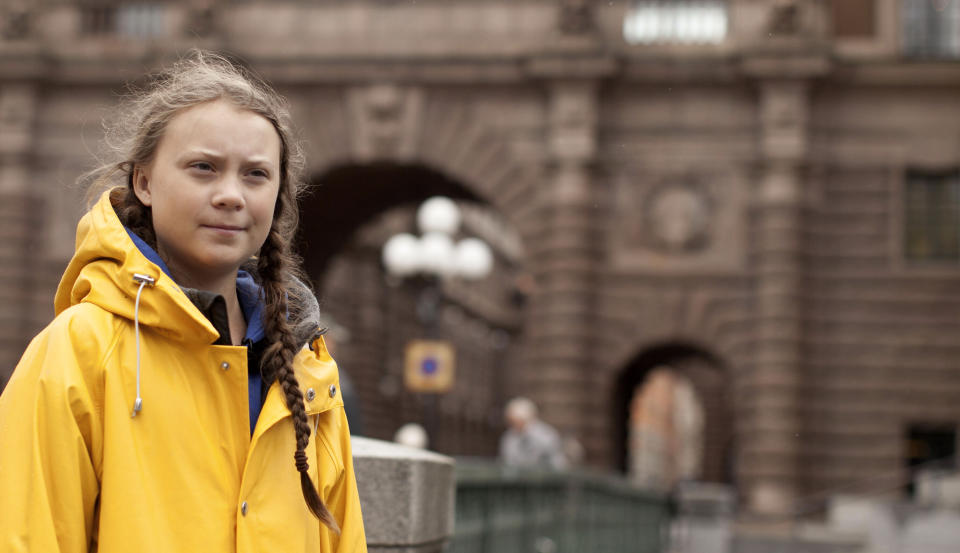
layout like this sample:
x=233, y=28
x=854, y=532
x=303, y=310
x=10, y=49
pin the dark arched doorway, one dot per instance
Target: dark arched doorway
x=374, y=316
x=707, y=378
x=345, y=197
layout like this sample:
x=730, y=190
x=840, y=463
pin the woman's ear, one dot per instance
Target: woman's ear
x=141, y=185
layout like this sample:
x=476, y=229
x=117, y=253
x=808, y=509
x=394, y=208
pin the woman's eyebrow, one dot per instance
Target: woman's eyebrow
x=203, y=152
x=260, y=160
x=218, y=156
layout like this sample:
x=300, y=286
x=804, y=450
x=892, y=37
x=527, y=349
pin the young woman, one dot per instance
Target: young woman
x=182, y=399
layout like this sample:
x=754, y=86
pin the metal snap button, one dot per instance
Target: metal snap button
x=243, y=508
x=333, y=390
x=311, y=394
x=225, y=365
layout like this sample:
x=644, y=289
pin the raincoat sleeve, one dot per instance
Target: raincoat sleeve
x=343, y=499
x=50, y=436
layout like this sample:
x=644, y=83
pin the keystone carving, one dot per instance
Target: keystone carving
x=385, y=121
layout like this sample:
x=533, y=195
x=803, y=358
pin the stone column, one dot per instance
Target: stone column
x=19, y=229
x=771, y=441
x=559, y=377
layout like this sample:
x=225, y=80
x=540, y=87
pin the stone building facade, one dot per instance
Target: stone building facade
x=765, y=201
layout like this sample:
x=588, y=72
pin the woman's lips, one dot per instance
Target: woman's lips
x=225, y=229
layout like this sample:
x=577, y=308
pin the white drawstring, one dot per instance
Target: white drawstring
x=143, y=280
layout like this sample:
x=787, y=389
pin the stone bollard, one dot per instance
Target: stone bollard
x=406, y=494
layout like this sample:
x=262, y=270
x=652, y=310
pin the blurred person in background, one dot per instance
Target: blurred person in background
x=529, y=442
x=183, y=398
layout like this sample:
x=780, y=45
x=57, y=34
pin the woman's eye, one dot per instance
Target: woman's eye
x=260, y=174
x=201, y=166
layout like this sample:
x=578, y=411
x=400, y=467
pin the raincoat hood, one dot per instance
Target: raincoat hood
x=102, y=272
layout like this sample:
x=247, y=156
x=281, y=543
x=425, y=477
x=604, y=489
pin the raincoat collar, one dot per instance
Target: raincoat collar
x=248, y=291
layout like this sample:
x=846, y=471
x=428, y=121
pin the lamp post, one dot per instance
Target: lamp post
x=431, y=258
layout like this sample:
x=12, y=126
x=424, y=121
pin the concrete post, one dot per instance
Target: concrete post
x=407, y=496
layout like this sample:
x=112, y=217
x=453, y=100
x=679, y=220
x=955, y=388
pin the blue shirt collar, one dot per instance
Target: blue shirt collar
x=248, y=291
x=251, y=302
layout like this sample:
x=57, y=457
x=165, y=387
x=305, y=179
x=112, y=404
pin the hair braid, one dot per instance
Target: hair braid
x=278, y=360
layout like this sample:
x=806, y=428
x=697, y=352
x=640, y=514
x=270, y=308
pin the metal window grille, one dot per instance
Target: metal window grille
x=676, y=22
x=932, y=216
x=931, y=28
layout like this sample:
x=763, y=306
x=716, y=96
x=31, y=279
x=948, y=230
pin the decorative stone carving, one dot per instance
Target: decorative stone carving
x=203, y=21
x=793, y=18
x=385, y=121
x=784, y=19
x=573, y=120
x=678, y=218
x=783, y=113
x=16, y=22
x=576, y=17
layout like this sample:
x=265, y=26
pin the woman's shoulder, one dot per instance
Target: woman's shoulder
x=84, y=332
x=84, y=320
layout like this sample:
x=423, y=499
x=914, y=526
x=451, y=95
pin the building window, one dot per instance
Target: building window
x=853, y=18
x=142, y=20
x=930, y=448
x=931, y=28
x=676, y=22
x=98, y=19
x=932, y=216
x=139, y=20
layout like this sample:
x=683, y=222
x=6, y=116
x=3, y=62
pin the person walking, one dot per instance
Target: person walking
x=528, y=441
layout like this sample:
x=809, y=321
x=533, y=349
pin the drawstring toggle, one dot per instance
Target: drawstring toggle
x=144, y=280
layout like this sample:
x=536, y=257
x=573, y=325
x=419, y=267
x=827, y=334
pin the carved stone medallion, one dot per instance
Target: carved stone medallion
x=678, y=218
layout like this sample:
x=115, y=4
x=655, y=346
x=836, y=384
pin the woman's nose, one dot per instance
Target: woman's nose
x=228, y=193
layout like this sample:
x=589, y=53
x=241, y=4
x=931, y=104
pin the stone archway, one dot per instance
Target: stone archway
x=706, y=375
x=380, y=145
x=373, y=317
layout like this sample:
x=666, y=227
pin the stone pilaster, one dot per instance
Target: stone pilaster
x=566, y=261
x=771, y=442
x=18, y=229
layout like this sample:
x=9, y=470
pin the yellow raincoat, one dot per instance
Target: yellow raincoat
x=78, y=473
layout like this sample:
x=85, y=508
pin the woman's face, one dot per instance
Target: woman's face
x=212, y=187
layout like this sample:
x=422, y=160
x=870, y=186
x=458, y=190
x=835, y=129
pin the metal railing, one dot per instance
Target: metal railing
x=499, y=510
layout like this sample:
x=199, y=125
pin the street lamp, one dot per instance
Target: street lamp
x=434, y=254
x=430, y=259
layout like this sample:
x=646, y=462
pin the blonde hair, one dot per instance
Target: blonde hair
x=133, y=138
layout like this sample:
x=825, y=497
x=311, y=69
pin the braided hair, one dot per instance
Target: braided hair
x=198, y=78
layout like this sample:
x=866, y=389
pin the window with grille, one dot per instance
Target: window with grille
x=135, y=20
x=932, y=216
x=931, y=28
x=676, y=22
